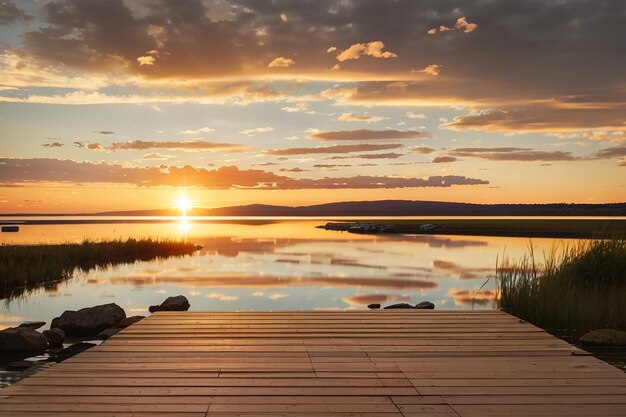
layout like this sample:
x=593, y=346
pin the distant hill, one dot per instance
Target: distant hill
x=395, y=208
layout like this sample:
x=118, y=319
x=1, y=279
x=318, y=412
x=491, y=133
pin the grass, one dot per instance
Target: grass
x=24, y=268
x=573, y=290
x=523, y=227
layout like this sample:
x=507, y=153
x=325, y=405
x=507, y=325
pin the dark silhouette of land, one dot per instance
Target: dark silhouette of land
x=396, y=208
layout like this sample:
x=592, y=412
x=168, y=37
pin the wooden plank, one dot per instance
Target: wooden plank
x=443, y=363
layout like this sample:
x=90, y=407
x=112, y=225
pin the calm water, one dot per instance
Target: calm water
x=273, y=264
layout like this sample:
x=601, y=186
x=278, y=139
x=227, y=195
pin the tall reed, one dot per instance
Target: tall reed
x=574, y=289
x=24, y=268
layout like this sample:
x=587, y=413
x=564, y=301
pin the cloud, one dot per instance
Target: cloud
x=613, y=152
x=373, y=49
x=366, y=134
x=389, y=155
x=512, y=154
x=53, y=145
x=157, y=156
x=222, y=297
x=334, y=149
x=145, y=61
x=104, y=132
x=433, y=69
x=331, y=49
x=281, y=62
x=91, y=146
x=412, y=115
x=351, y=117
x=461, y=24
x=331, y=165
x=443, y=159
x=251, y=132
x=16, y=170
x=422, y=150
x=9, y=13
x=192, y=145
x=275, y=297
x=196, y=131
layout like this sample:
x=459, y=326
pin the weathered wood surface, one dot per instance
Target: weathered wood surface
x=341, y=363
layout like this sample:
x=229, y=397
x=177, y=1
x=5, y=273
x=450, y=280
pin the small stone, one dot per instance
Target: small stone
x=374, y=306
x=425, y=305
x=55, y=337
x=128, y=321
x=178, y=303
x=399, y=305
x=22, y=339
x=604, y=337
x=33, y=324
x=105, y=334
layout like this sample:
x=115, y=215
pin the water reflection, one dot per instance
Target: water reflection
x=274, y=265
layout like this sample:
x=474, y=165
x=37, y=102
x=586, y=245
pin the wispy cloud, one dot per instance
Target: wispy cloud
x=366, y=134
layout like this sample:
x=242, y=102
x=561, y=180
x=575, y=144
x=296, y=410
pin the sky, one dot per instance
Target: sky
x=120, y=104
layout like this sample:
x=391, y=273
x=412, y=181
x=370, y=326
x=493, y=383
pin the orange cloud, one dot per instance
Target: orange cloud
x=366, y=134
x=373, y=49
x=281, y=62
x=461, y=24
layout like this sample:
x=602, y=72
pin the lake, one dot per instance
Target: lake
x=271, y=264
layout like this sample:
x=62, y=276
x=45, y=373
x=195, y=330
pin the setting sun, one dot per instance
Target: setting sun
x=184, y=204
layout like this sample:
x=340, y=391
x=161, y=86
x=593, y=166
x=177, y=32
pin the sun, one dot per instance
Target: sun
x=184, y=204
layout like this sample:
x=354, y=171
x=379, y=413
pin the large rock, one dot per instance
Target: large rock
x=178, y=303
x=89, y=321
x=604, y=337
x=22, y=339
x=425, y=305
x=55, y=337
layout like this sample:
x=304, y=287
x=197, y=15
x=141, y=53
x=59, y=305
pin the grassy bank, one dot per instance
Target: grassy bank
x=570, y=291
x=27, y=267
x=524, y=227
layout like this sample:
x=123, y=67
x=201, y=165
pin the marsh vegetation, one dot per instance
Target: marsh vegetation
x=570, y=290
x=24, y=268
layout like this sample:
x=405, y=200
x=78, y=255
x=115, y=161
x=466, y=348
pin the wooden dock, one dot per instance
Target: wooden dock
x=388, y=363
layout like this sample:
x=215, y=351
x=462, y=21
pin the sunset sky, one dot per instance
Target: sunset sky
x=112, y=105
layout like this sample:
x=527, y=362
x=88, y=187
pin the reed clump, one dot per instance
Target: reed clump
x=574, y=289
x=24, y=268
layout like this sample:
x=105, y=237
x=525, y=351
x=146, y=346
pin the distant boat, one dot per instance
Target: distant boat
x=10, y=229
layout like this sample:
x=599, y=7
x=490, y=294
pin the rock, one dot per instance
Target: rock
x=33, y=324
x=178, y=303
x=73, y=350
x=128, y=321
x=89, y=321
x=22, y=339
x=55, y=337
x=105, y=334
x=399, y=305
x=374, y=306
x=604, y=337
x=425, y=305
